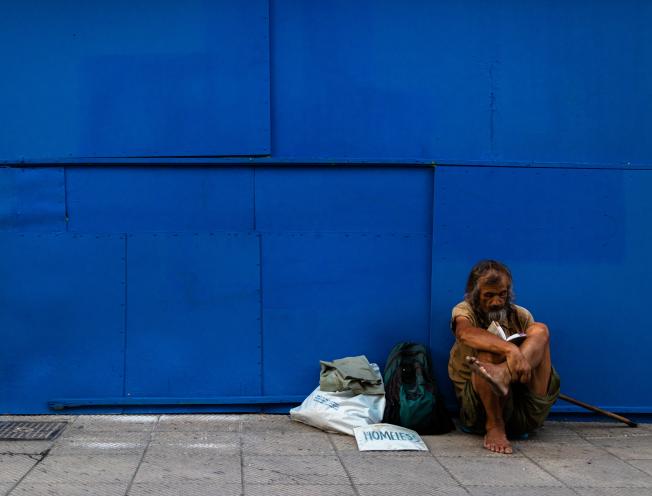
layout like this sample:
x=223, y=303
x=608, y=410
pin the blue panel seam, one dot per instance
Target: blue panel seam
x=268, y=34
x=124, y=364
x=260, y=314
x=268, y=160
x=253, y=190
x=432, y=257
x=63, y=403
x=492, y=110
x=66, y=215
x=369, y=234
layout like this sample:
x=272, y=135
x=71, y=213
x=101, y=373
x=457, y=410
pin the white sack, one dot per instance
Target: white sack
x=341, y=411
x=388, y=437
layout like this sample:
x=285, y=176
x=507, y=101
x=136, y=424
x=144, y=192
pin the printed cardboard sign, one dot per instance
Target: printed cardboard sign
x=388, y=437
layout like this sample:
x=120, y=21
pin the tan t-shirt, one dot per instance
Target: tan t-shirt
x=458, y=369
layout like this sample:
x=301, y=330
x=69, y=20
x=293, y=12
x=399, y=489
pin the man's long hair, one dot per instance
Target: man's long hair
x=494, y=270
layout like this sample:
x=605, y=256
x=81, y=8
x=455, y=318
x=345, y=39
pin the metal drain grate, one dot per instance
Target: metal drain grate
x=30, y=431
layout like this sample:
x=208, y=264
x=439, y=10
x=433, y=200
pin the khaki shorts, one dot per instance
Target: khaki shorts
x=524, y=411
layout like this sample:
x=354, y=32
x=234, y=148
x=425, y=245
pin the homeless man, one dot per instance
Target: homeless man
x=503, y=389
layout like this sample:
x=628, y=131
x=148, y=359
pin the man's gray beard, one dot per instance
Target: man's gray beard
x=498, y=316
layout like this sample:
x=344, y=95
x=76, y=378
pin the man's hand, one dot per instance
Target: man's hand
x=518, y=366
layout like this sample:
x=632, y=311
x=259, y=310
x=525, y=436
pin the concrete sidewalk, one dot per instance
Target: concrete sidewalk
x=270, y=455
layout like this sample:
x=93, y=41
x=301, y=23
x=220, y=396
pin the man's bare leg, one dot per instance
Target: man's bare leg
x=536, y=350
x=491, y=380
x=495, y=438
x=496, y=375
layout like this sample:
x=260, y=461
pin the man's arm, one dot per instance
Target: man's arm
x=482, y=340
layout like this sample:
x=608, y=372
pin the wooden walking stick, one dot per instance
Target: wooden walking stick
x=597, y=410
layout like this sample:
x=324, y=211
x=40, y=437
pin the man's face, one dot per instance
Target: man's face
x=493, y=295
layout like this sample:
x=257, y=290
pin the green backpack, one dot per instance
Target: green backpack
x=412, y=397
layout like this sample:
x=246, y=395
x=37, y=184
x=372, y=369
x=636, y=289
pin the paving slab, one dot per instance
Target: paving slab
x=408, y=489
x=375, y=469
x=176, y=468
x=602, y=471
x=94, y=442
x=519, y=491
x=612, y=491
x=191, y=442
x=84, y=469
x=627, y=448
x=13, y=467
x=286, y=443
x=26, y=447
x=460, y=444
x=343, y=443
x=27, y=488
x=256, y=423
x=201, y=423
x=561, y=448
x=110, y=423
x=38, y=418
x=116, y=433
x=644, y=465
x=287, y=470
x=607, y=429
x=5, y=487
x=298, y=490
x=184, y=488
x=553, y=431
x=499, y=470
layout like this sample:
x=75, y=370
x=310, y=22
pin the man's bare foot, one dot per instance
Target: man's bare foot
x=497, y=376
x=496, y=440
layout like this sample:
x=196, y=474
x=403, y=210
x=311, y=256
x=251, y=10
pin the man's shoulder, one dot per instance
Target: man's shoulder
x=524, y=315
x=464, y=309
x=521, y=310
x=464, y=306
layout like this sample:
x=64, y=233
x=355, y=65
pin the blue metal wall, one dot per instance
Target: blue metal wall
x=198, y=204
x=134, y=78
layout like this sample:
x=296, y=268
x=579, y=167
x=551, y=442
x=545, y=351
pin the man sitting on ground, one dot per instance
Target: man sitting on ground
x=503, y=389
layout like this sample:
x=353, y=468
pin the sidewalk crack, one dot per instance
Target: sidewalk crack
x=42, y=455
x=339, y=458
x=140, y=462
